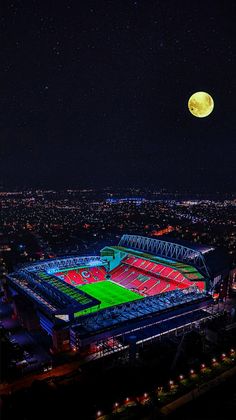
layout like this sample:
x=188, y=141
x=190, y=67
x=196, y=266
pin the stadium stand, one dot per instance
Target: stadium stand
x=80, y=276
x=81, y=301
x=149, y=278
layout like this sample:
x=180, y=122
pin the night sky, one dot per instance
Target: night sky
x=94, y=93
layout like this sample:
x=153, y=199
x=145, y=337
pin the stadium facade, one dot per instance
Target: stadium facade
x=131, y=293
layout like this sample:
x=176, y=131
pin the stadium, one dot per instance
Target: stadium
x=133, y=292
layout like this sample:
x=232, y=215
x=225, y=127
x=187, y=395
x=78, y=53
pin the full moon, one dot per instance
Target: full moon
x=200, y=104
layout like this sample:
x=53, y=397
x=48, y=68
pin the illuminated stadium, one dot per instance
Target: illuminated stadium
x=134, y=292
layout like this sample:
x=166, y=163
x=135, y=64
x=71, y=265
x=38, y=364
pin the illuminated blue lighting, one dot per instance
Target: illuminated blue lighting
x=53, y=270
x=94, y=263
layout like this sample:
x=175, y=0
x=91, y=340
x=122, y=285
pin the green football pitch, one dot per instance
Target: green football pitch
x=109, y=293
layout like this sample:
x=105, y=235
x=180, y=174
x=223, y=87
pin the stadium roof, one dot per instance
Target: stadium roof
x=51, y=294
x=216, y=258
x=193, y=245
x=208, y=259
x=122, y=316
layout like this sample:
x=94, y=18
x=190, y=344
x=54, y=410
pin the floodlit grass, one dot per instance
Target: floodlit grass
x=109, y=293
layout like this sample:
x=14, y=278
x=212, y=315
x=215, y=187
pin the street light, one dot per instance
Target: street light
x=116, y=406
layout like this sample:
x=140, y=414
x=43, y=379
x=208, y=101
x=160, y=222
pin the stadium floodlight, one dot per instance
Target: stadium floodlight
x=94, y=263
x=53, y=270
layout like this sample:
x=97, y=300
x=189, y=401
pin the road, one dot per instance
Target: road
x=27, y=381
x=197, y=392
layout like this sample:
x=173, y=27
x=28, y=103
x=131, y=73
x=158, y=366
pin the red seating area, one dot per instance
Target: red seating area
x=134, y=279
x=162, y=271
x=159, y=278
x=138, y=274
x=82, y=276
x=124, y=275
